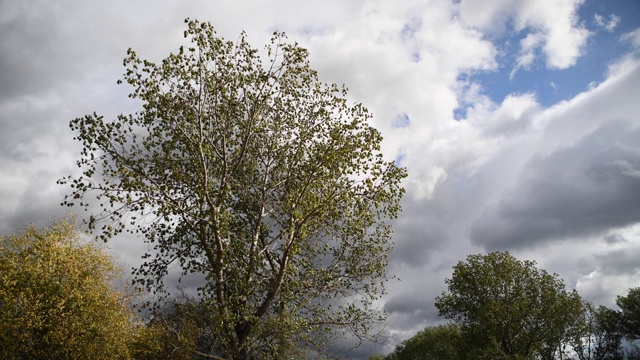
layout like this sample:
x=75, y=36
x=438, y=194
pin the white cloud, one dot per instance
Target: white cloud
x=633, y=38
x=552, y=27
x=528, y=47
x=376, y=42
x=490, y=16
x=513, y=117
x=608, y=25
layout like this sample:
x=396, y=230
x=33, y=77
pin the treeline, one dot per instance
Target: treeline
x=62, y=297
x=503, y=308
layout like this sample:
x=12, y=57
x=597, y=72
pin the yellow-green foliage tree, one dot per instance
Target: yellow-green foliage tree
x=57, y=299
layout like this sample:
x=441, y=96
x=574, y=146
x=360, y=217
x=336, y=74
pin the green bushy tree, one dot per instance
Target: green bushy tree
x=508, y=308
x=442, y=342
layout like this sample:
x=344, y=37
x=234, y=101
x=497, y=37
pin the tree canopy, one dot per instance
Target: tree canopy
x=629, y=314
x=596, y=336
x=260, y=177
x=440, y=342
x=57, y=299
x=508, y=308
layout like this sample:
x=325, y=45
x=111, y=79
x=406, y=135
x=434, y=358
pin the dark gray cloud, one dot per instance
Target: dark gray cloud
x=411, y=301
x=614, y=239
x=36, y=149
x=37, y=205
x=31, y=129
x=431, y=226
x=40, y=47
x=579, y=190
x=28, y=58
x=609, y=273
x=619, y=262
x=417, y=306
x=419, y=231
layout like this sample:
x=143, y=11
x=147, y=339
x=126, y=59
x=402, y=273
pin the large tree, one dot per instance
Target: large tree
x=508, y=308
x=260, y=177
x=57, y=298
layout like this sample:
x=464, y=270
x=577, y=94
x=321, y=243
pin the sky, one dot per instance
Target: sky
x=518, y=121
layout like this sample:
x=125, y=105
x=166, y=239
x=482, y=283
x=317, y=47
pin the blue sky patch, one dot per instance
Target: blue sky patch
x=401, y=121
x=606, y=24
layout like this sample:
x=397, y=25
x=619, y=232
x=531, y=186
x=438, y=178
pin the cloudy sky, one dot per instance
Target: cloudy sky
x=518, y=121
